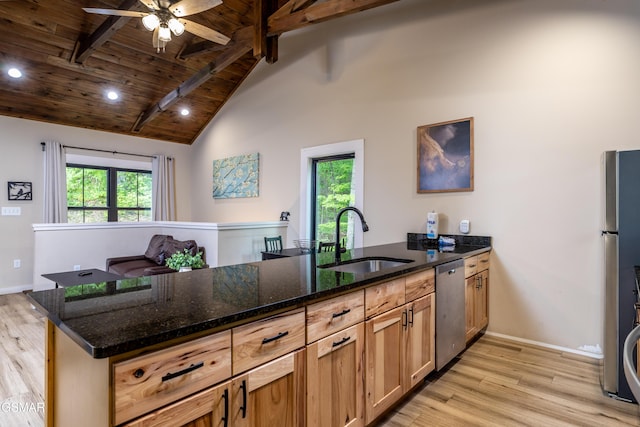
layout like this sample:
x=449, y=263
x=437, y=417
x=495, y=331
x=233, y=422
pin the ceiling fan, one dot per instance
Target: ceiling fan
x=165, y=18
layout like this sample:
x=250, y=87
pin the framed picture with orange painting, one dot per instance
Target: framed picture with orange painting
x=445, y=156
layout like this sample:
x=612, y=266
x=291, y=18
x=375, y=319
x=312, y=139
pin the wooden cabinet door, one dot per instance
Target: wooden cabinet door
x=272, y=394
x=420, y=340
x=481, y=313
x=335, y=379
x=470, y=307
x=210, y=407
x=476, y=303
x=384, y=356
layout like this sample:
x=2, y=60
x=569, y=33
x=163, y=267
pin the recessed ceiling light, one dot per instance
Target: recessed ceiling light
x=15, y=73
x=185, y=112
x=112, y=95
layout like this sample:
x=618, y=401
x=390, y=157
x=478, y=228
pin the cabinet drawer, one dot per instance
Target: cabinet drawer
x=327, y=317
x=483, y=261
x=470, y=266
x=384, y=297
x=420, y=284
x=150, y=381
x=263, y=340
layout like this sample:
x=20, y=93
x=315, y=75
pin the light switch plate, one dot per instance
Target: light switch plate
x=13, y=210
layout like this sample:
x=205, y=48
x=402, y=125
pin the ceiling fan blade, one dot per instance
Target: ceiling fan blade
x=114, y=12
x=150, y=4
x=204, y=32
x=191, y=7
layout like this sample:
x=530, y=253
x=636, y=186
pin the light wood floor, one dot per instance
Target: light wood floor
x=497, y=382
x=21, y=363
x=494, y=383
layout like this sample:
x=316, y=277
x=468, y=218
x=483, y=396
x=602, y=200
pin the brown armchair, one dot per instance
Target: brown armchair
x=152, y=262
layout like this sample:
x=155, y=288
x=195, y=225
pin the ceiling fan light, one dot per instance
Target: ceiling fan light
x=164, y=33
x=176, y=26
x=150, y=22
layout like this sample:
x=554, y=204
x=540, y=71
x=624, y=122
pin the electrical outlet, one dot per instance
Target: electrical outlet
x=76, y=267
x=16, y=263
x=464, y=226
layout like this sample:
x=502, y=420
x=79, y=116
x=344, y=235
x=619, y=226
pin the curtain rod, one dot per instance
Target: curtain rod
x=107, y=151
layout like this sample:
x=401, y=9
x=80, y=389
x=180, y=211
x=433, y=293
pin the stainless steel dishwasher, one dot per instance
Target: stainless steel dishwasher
x=450, y=322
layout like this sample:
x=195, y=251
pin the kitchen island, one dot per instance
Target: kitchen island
x=96, y=332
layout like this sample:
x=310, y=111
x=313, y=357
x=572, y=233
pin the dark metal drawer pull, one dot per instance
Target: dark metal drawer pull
x=191, y=368
x=345, y=311
x=342, y=341
x=277, y=337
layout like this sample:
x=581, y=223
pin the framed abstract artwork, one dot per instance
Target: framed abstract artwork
x=445, y=156
x=236, y=177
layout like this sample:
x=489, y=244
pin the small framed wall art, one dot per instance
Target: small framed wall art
x=445, y=156
x=235, y=177
x=19, y=190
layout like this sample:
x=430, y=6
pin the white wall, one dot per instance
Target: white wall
x=551, y=85
x=22, y=160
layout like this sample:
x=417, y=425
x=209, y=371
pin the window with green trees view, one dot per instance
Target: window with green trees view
x=332, y=186
x=102, y=194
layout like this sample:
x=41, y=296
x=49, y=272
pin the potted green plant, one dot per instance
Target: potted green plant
x=184, y=261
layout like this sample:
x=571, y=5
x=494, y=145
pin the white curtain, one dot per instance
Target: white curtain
x=55, y=183
x=163, y=191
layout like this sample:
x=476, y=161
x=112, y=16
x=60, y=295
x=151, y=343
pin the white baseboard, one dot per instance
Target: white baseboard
x=15, y=289
x=545, y=345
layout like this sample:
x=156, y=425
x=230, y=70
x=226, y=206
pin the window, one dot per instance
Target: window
x=102, y=194
x=332, y=179
x=321, y=158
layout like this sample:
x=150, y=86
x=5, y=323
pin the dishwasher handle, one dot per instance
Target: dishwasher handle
x=450, y=268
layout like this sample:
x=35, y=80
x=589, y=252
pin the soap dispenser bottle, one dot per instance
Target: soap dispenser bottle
x=432, y=225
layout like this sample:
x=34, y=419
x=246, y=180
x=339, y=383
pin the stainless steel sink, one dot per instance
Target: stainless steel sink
x=367, y=265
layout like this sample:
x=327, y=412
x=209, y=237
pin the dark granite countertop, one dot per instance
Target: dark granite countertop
x=111, y=318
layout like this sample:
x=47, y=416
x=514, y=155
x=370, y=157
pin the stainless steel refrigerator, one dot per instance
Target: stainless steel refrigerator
x=621, y=234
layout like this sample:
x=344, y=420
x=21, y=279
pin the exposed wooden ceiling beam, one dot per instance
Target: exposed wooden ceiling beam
x=238, y=47
x=198, y=48
x=315, y=13
x=263, y=45
x=290, y=7
x=201, y=47
x=104, y=32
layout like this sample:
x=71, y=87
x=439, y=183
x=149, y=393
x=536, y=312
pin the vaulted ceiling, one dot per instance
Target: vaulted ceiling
x=70, y=59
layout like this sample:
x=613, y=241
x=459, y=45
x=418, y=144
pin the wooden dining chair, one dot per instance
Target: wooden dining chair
x=326, y=247
x=273, y=243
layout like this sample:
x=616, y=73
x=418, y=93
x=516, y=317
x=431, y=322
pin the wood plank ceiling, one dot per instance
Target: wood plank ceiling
x=70, y=59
